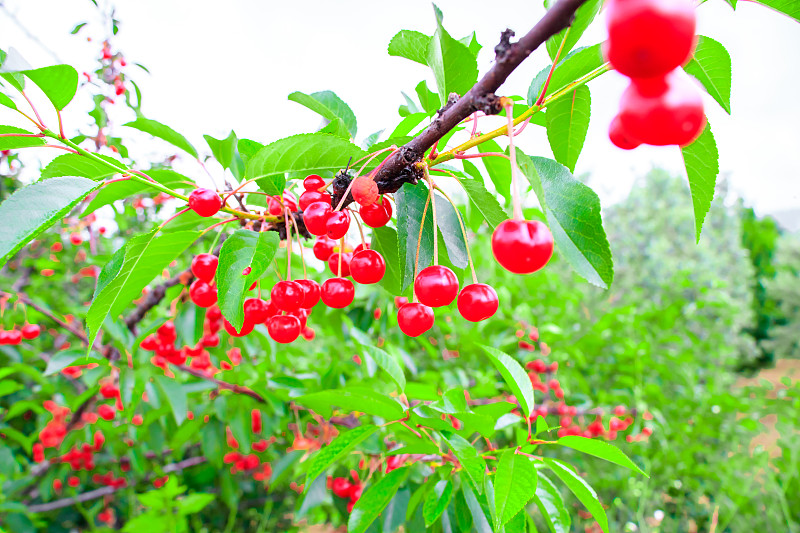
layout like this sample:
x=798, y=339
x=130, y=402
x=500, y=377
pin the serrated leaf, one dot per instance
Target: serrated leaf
x=384, y=241
x=371, y=139
x=454, y=67
x=567, y=125
x=600, y=449
x=583, y=17
x=374, y=500
x=585, y=494
x=174, y=395
x=163, y=132
x=353, y=399
x=711, y=65
x=701, y=159
x=146, y=256
x=410, y=201
x=330, y=106
x=336, y=127
x=79, y=165
x=336, y=450
x=499, y=168
x=576, y=64
x=551, y=506
x=473, y=464
x=482, y=199
x=12, y=143
x=241, y=250
x=32, y=209
x=515, y=377
x=454, y=239
x=437, y=501
x=120, y=190
x=412, y=45
x=514, y=486
x=387, y=363
x=789, y=8
x=248, y=148
x=573, y=214
x=58, y=83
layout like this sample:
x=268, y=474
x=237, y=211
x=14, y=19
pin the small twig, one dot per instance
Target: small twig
x=238, y=389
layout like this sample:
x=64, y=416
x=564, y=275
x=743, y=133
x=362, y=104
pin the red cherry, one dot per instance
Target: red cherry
x=367, y=266
x=315, y=217
x=30, y=331
x=289, y=201
x=337, y=224
x=477, y=302
x=333, y=264
x=149, y=343
x=313, y=183
x=620, y=137
x=378, y=214
x=274, y=206
x=309, y=197
x=13, y=337
x=323, y=248
x=287, y=295
x=365, y=190
x=522, y=246
x=662, y=111
x=204, y=266
x=106, y=412
x=257, y=311
x=283, y=328
x=166, y=333
x=205, y=202
x=341, y=487
x=308, y=333
x=415, y=319
x=209, y=340
x=400, y=301
x=360, y=247
x=436, y=286
x=649, y=38
x=301, y=315
x=75, y=238
x=337, y=292
x=202, y=294
x=247, y=327
x=311, y=293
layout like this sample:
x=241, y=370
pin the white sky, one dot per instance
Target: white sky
x=218, y=66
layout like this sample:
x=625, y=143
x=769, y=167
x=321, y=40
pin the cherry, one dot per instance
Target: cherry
x=106, y=412
x=287, y=295
x=209, y=340
x=337, y=224
x=362, y=246
x=204, y=267
x=309, y=197
x=308, y=333
x=436, y=286
x=315, y=217
x=313, y=183
x=30, y=331
x=12, y=337
x=255, y=420
x=323, y=248
x=202, y=294
x=648, y=38
x=301, y=315
x=662, y=111
x=341, y=487
x=75, y=238
x=365, y=190
x=311, y=293
x=337, y=292
x=477, y=302
x=257, y=311
x=414, y=319
x=274, y=206
x=247, y=327
x=619, y=136
x=149, y=343
x=166, y=333
x=283, y=328
x=378, y=214
x=367, y=266
x=205, y=202
x=333, y=264
x=400, y=301
x=522, y=246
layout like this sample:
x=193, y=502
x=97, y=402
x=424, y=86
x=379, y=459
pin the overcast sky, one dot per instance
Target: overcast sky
x=217, y=66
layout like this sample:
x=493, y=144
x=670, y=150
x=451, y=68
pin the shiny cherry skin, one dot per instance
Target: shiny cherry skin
x=283, y=328
x=309, y=197
x=333, y=264
x=337, y=224
x=202, y=294
x=414, y=319
x=367, y=266
x=648, y=38
x=337, y=292
x=663, y=111
x=204, y=267
x=323, y=248
x=302, y=316
x=247, y=327
x=311, y=293
x=620, y=138
x=378, y=214
x=477, y=302
x=287, y=295
x=258, y=311
x=522, y=246
x=364, y=190
x=313, y=183
x=362, y=246
x=30, y=331
x=436, y=286
x=205, y=202
x=315, y=217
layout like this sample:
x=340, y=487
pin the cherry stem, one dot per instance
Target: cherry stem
x=431, y=186
x=463, y=232
x=474, y=124
x=360, y=229
x=35, y=112
x=341, y=253
x=126, y=178
x=21, y=134
x=277, y=272
x=484, y=154
x=176, y=215
x=297, y=231
x=288, y=245
x=419, y=239
x=60, y=124
x=433, y=153
x=552, y=68
x=29, y=118
x=215, y=241
x=524, y=124
x=70, y=150
x=217, y=224
x=369, y=155
x=234, y=191
x=514, y=171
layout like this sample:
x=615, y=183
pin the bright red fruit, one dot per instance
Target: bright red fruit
x=204, y=266
x=323, y=248
x=283, y=328
x=247, y=327
x=255, y=420
x=414, y=319
x=313, y=183
x=202, y=294
x=648, y=38
x=309, y=197
x=436, y=286
x=30, y=331
x=522, y=246
x=333, y=264
x=311, y=293
x=365, y=190
x=337, y=224
x=301, y=315
x=315, y=217
x=257, y=311
x=166, y=333
x=106, y=412
x=205, y=202
x=477, y=302
x=367, y=266
x=662, y=111
x=287, y=295
x=337, y=292
x=620, y=137
x=75, y=238
x=378, y=214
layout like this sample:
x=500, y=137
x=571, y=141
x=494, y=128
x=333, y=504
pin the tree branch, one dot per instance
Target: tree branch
x=238, y=389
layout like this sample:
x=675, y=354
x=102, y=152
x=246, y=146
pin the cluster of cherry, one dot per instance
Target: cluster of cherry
x=108, y=60
x=648, y=41
x=14, y=336
x=343, y=488
x=250, y=463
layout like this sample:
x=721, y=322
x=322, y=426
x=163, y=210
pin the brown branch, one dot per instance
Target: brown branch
x=238, y=389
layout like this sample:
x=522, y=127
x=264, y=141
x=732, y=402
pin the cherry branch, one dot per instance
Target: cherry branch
x=238, y=389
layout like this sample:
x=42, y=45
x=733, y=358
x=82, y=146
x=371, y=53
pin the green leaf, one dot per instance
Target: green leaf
x=32, y=209
x=585, y=494
x=194, y=503
x=583, y=17
x=119, y=190
x=600, y=449
x=428, y=98
x=412, y=45
x=375, y=500
x=174, y=395
x=330, y=106
x=576, y=64
x=61, y=360
x=241, y=250
x=790, y=8
x=157, y=129
x=499, y=168
x=514, y=486
x=223, y=150
x=58, y=83
x=247, y=149
x=339, y=448
x=515, y=377
x=567, y=124
x=711, y=65
x=551, y=506
x=384, y=241
x=6, y=101
x=467, y=455
x=387, y=363
x=454, y=67
x=410, y=201
x=408, y=124
x=336, y=127
x=454, y=240
x=482, y=199
x=353, y=399
x=146, y=256
x=437, y=501
x=701, y=159
x=573, y=214
x=12, y=143
x=481, y=517
x=79, y=165
x=472, y=43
